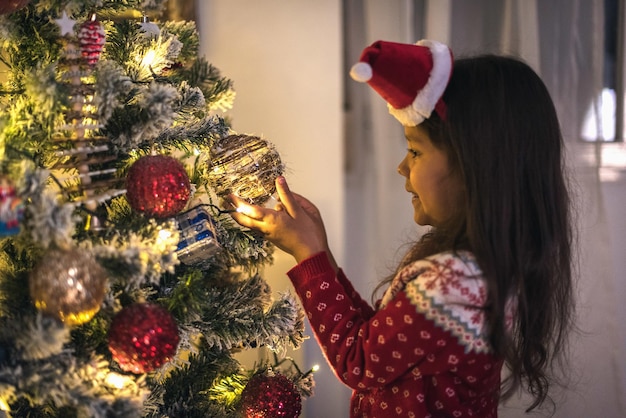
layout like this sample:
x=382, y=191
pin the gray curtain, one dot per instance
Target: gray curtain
x=378, y=210
x=563, y=41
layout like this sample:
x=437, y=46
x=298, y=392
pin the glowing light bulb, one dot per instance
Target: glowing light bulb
x=115, y=380
x=164, y=234
x=164, y=239
x=149, y=59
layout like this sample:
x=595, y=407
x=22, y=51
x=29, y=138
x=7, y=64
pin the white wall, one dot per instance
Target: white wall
x=285, y=59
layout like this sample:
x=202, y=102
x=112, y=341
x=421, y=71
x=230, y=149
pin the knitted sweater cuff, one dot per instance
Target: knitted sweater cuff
x=313, y=266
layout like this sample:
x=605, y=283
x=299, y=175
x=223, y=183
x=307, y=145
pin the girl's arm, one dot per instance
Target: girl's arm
x=427, y=329
x=321, y=262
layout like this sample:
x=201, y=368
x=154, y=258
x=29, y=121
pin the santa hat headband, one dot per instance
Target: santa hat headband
x=411, y=78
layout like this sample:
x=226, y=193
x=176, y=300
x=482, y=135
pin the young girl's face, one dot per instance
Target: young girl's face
x=436, y=191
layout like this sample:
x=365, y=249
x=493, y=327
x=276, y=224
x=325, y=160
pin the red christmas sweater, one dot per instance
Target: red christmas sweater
x=422, y=353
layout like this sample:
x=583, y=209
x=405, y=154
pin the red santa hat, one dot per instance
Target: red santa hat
x=411, y=78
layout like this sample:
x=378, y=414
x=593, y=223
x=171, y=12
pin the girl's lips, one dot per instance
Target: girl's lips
x=414, y=195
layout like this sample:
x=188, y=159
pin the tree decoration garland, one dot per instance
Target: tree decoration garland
x=143, y=337
x=270, y=394
x=88, y=151
x=245, y=165
x=69, y=285
x=157, y=186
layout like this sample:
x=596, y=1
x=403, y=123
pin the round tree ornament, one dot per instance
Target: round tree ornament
x=69, y=285
x=245, y=165
x=270, y=394
x=150, y=29
x=143, y=337
x=157, y=186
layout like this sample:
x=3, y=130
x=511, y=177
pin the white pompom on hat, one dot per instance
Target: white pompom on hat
x=411, y=78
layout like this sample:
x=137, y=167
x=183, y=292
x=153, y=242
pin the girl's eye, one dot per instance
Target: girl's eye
x=413, y=152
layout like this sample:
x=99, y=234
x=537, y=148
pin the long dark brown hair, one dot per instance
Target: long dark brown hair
x=503, y=139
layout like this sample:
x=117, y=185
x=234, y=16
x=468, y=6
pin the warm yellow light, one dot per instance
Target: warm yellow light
x=115, y=380
x=77, y=318
x=165, y=239
x=164, y=235
x=4, y=406
x=315, y=368
x=149, y=59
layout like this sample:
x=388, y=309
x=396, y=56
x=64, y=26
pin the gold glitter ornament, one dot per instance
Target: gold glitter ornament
x=246, y=166
x=69, y=285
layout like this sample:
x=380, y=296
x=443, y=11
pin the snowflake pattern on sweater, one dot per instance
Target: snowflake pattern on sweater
x=448, y=293
x=422, y=353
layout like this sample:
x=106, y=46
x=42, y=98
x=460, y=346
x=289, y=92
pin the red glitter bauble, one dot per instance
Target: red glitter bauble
x=270, y=395
x=92, y=38
x=143, y=337
x=10, y=6
x=157, y=186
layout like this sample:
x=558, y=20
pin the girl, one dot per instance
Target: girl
x=490, y=285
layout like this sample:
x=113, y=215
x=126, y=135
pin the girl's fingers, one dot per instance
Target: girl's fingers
x=287, y=199
x=304, y=203
x=243, y=207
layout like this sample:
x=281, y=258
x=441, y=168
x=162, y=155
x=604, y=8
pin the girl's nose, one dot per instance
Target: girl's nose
x=401, y=169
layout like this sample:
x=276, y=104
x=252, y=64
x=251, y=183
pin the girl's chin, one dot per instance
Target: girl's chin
x=420, y=218
x=421, y=223
x=418, y=214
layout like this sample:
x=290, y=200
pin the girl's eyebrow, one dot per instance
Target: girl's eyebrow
x=414, y=138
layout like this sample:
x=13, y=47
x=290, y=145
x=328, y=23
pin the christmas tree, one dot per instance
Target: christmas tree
x=126, y=289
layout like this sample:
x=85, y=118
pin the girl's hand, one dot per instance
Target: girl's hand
x=295, y=225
